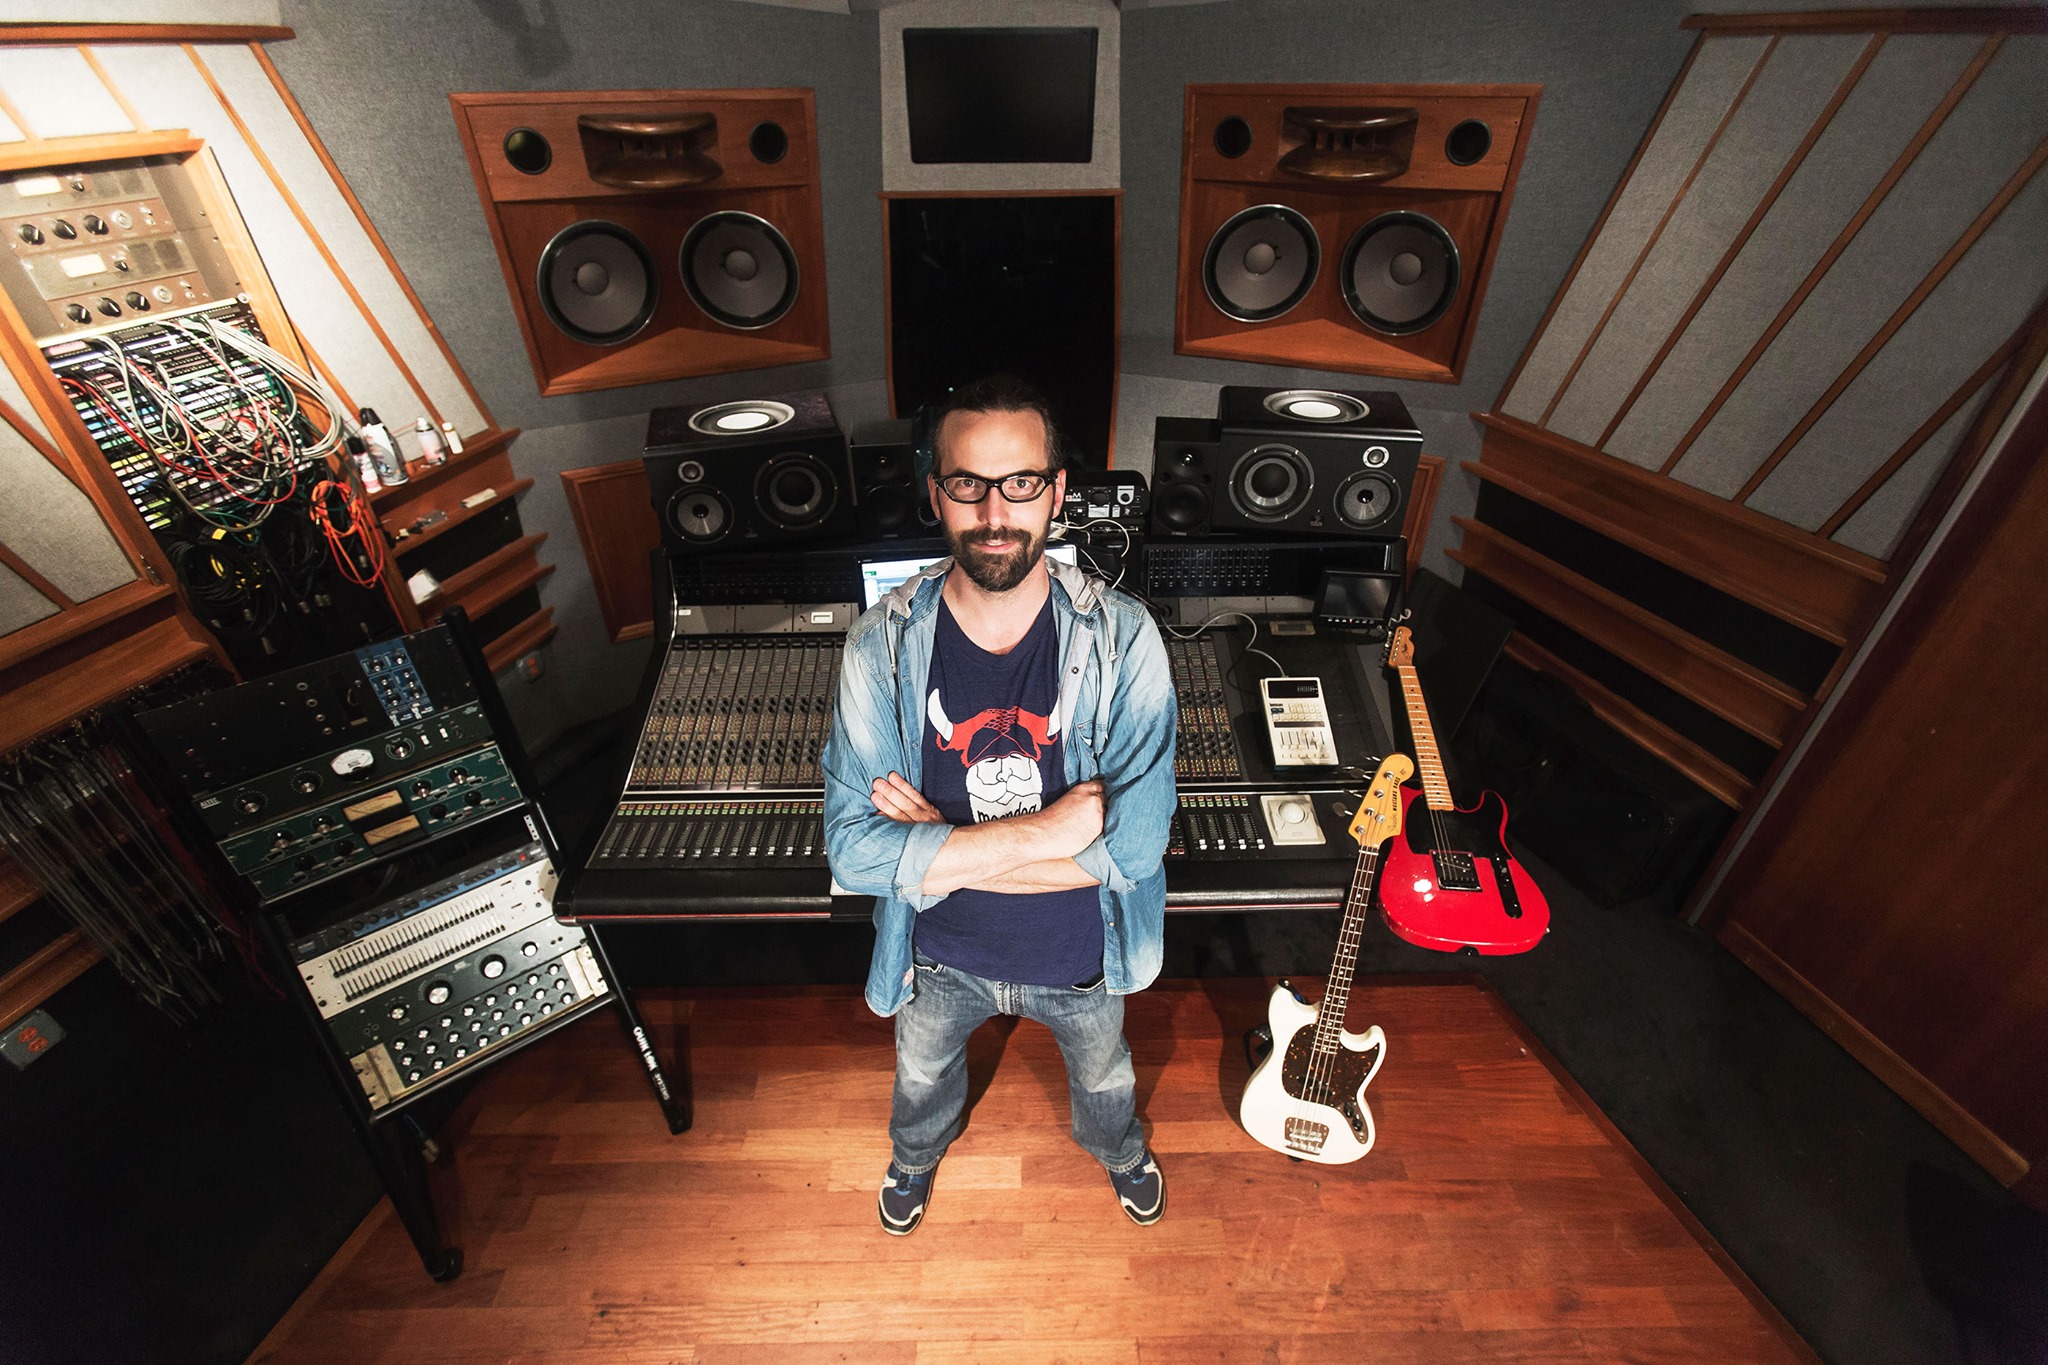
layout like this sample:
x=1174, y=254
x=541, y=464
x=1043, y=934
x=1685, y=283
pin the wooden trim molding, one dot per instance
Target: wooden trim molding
x=1801, y=578
x=50, y=969
x=27, y=156
x=616, y=524
x=1714, y=777
x=68, y=35
x=128, y=109
x=1738, y=692
x=1961, y=1127
x=1988, y=19
x=529, y=635
x=1421, y=513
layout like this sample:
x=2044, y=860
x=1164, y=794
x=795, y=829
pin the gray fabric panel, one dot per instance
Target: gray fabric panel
x=11, y=393
x=1949, y=184
x=1874, y=124
x=20, y=605
x=1141, y=398
x=53, y=526
x=58, y=94
x=1710, y=86
x=168, y=90
x=249, y=89
x=10, y=133
x=1875, y=528
x=1789, y=94
x=1974, y=309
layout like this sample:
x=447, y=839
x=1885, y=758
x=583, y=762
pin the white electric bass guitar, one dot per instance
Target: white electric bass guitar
x=1307, y=1098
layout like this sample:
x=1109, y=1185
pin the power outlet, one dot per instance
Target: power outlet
x=30, y=1037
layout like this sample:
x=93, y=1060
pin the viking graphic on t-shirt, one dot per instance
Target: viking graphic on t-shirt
x=1001, y=747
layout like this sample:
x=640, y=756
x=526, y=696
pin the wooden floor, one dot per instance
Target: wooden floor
x=1499, y=1218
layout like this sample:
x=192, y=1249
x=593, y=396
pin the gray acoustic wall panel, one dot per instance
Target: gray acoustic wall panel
x=20, y=605
x=1789, y=93
x=53, y=526
x=271, y=124
x=1978, y=304
x=1697, y=108
x=1958, y=173
x=56, y=94
x=1874, y=528
x=1888, y=106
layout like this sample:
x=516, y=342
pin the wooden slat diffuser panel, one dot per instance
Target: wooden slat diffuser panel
x=1798, y=577
x=1740, y=694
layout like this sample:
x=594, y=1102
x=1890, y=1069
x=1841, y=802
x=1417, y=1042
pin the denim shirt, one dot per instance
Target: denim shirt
x=1117, y=709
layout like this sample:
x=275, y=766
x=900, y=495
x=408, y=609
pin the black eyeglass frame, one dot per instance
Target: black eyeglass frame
x=1047, y=479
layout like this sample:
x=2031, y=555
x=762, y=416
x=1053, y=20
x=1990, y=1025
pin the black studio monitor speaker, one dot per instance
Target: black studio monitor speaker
x=889, y=493
x=762, y=471
x=1316, y=462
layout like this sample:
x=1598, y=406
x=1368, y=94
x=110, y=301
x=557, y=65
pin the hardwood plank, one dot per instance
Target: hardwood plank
x=1823, y=588
x=21, y=156
x=1739, y=693
x=592, y=1235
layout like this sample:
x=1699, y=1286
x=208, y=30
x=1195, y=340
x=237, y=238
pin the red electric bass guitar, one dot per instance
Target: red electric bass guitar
x=1447, y=881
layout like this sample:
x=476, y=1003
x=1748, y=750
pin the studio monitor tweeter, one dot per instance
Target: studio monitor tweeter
x=1344, y=227
x=747, y=474
x=653, y=235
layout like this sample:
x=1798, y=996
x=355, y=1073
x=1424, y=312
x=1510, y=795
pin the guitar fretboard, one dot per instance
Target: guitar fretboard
x=1337, y=992
x=1428, y=763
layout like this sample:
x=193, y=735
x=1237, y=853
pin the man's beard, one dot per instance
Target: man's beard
x=991, y=571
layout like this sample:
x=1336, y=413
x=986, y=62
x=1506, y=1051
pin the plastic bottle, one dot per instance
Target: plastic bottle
x=383, y=449
x=433, y=450
x=452, y=437
x=366, y=468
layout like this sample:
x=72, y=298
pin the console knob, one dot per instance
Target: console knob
x=492, y=967
x=30, y=233
x=109, y=307
x=95, y=224
x=438, y=993
x=76, y=312
x=64, y=229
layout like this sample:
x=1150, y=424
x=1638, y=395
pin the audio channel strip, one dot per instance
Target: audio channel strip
x=436, y=980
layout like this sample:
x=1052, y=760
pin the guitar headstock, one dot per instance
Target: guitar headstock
x=1401, y=648
x=1379, y=814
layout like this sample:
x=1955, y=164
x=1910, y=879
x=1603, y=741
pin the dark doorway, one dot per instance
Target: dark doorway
x=1026, y=285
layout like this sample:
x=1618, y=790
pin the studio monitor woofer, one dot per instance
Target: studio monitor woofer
x=1400, y=273
x=596, y=280
x=739, y=269
x=1261, y=263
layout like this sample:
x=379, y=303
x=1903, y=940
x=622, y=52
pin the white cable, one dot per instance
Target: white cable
x=1193, y=631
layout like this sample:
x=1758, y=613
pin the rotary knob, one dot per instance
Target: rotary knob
x=109, y=307
x=30, y=233
x=492, y=967
x=137, y=302
x=62, y=227
x=95, y=224
x=76, y=312
x=438, y=993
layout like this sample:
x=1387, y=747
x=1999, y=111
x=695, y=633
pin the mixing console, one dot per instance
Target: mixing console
x=714, y=834
x=738, y=714
x=1206, y=751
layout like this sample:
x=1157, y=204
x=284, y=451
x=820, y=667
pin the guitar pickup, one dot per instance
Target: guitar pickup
x=1456, y=872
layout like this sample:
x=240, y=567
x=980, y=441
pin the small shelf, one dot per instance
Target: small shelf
x=499, y=497
x=474, y=449
x=18, y=890
x=456, y=584
x=530, y=634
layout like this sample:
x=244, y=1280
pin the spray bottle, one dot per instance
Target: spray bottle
x=383, y=449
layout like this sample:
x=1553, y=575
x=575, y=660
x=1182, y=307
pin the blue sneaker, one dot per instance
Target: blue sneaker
x=1141, y=1190
x=903, y=1200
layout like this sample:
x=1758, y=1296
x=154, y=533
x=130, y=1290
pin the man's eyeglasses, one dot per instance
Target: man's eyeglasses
x=972, y=488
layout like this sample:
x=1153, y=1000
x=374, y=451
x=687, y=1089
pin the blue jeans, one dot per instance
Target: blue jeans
x=926, y=1110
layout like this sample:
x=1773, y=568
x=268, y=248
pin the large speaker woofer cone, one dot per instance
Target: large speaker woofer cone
x=1271, y=482
x=739, y=269
x=1366, y=499
x=795, y=490
x=1400, y=273
x=1260, y=263
x=597, y=283
x=700, y=515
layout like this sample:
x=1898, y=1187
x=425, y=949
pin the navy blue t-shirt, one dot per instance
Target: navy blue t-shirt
x=989, y=753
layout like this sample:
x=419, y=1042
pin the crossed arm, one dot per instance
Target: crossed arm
x=1019, y=854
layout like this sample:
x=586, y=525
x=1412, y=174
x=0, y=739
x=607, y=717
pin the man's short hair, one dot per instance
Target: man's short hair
x=997, y=393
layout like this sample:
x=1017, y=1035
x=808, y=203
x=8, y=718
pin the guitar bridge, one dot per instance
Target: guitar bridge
x=1306, y=1135
x=1456, y=871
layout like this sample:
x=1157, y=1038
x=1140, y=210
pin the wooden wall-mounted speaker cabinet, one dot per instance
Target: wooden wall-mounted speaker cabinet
x=1344, y=227
x=654, y=234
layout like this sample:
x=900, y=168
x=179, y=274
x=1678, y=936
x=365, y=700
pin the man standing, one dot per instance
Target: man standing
x=1000, y=778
